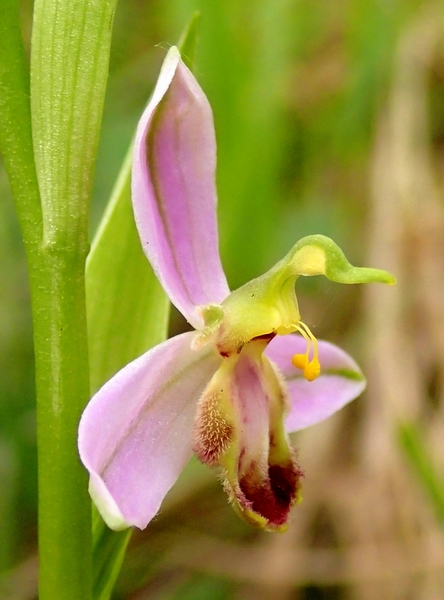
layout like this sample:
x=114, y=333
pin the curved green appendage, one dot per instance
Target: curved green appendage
x=269, y=304
x=319, y=255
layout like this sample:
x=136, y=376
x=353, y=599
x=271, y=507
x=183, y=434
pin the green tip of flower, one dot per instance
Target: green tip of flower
x=212, y=316
x=319, y=255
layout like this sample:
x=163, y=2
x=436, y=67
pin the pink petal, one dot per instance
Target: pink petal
x=341, y=381
x=174, y=193
x=135, y=435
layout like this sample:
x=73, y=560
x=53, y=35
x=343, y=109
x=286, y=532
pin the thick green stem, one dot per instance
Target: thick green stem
x=58, y=301
x=62, y=390
x=69, y=69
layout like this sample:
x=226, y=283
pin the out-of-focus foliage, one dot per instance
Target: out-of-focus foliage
x=329, y=118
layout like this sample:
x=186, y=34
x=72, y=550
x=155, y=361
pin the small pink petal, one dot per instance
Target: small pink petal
x=340, y=381
x=174, y=192
x=135, y=435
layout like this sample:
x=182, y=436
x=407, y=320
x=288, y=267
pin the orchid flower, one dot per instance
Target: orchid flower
x=252, y=371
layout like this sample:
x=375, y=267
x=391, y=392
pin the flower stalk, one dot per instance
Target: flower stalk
x=62, y=389
x=69, y=65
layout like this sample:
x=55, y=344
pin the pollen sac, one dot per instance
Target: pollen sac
x=300, y=361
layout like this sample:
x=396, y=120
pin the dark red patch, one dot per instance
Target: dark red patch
x=273, y=498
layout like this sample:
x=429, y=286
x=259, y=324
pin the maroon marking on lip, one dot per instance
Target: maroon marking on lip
x=273, y=498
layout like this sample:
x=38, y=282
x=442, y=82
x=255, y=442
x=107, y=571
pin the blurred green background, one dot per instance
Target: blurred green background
x=329, y=117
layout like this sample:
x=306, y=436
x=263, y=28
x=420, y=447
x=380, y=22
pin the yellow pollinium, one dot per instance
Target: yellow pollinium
x=311, y=368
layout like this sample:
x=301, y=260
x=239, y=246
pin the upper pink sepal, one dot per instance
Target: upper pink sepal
x=135, y=435
x=340, y=381
x=174, y=193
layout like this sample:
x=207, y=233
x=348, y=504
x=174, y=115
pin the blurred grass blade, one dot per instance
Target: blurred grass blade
x=188, y=41
x=9, y=470
x=244, y=77
x=414, y=447
x=127, y=314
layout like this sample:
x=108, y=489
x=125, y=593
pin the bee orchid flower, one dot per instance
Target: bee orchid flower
x=252, y=371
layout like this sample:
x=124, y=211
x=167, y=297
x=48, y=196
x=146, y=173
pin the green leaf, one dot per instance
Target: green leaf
x=127, y=314
x=69, y=71
x=109, y=549
x=127, y=308
x=15, y=130
x=202, y=587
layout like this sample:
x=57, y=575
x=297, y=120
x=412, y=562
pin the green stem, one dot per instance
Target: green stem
x=51, y=184
x=58, y=301
x=69, y=68
x=62, y=391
